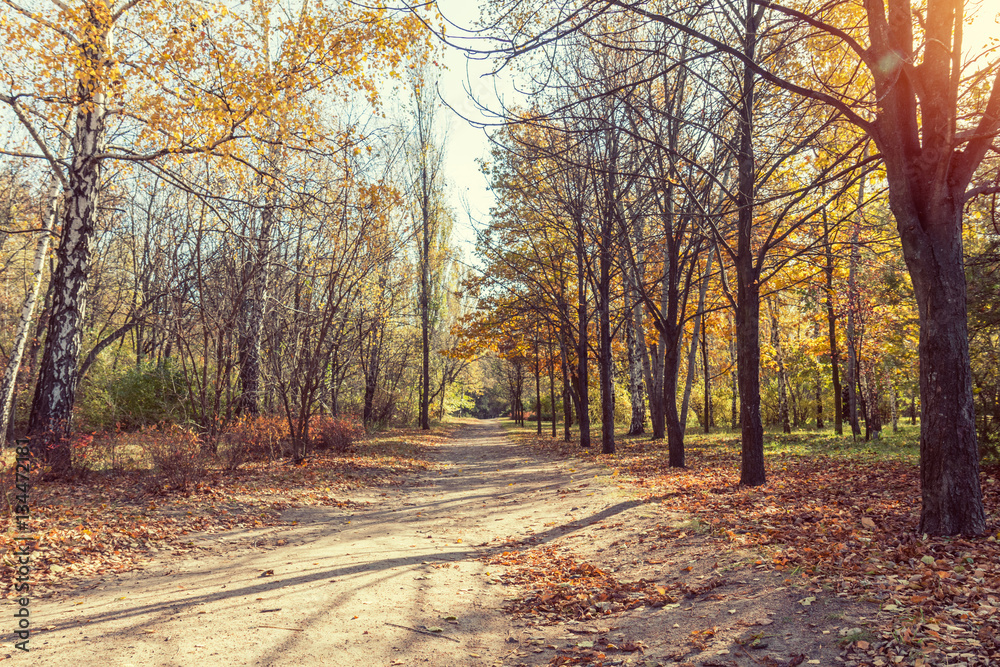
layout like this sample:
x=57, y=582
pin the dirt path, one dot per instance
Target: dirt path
x=400, y=582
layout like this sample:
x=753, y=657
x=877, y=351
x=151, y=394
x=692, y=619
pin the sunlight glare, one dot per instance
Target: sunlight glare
x=983, y=32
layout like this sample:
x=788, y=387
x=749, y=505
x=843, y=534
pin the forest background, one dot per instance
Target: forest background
x=226, y=232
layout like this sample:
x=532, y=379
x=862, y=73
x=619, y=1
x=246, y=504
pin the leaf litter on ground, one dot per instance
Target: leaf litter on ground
x=102, y=524
x=842, y=525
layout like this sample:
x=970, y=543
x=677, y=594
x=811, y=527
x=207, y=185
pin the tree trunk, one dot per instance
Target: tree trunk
x=752, y=471
x=604, y=348
x=9, y=382
x=853, y=303
x=734, y=411
x=949, y=452
x=819, y=384
x=653, y=369
x=693, y=349
x=520, y=394
x=748, y=365
x=675, y=431
x=583, y=381
x=638, y=354
x=782, y=383
x=443, y=396
x=873, y=418
x=567, y=392
x=634, y=359
x=256, y=276
x=52, y=412
x=370, y=369
x=552, y=386
x=707, y=380
x=831, y=319
x=425, y=321
x=251, y=332
x=894, y=407
x=538, y=388
x=860, y=393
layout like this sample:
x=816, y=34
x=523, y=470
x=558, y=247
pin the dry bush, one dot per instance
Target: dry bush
x=254, y=439
x=177, y=455
x=172, y=455
x=335, y=434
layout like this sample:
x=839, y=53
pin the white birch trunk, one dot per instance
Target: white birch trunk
x=9, y=381
x=52, y=411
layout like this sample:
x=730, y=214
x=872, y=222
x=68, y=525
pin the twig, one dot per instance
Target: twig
x=278, y=627
x=424, y=632
x=750, y=655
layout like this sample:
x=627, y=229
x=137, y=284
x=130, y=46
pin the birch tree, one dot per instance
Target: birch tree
x=177, y=80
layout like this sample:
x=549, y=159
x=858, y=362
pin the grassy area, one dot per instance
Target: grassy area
x=902, y=446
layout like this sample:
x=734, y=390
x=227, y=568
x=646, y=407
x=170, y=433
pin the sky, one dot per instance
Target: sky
x=466, y=144
x=985, y=27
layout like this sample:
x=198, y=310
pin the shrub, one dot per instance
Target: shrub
x=148, y=394
x=172, y=455
x=176, y=455
x=335, y=434
x=253, y=439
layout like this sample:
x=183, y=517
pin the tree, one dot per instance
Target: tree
x=49, y=212
x=193, y=83
x=933, y=124
x=426, y=159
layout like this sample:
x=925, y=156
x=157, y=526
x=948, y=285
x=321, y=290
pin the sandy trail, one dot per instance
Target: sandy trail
x=349, y=586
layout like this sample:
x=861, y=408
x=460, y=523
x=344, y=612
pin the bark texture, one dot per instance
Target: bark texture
x=747, y=277
x=929, y=169
x=636, y=387
x=52, y=410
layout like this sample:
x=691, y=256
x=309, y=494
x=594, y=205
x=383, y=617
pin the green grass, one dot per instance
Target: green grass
x=901, y=446
x=858, y=634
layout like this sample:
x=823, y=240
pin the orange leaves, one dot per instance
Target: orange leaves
x=844, y=524
x=198, y=75
x=699, y=638
x=108, y=523
x=564, y=587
